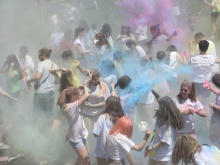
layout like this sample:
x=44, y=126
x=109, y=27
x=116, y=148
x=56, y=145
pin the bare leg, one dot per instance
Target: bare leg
x=101, y=161
x=83, y=158
x=214, y=30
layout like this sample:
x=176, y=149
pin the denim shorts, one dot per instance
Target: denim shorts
x=77, y=146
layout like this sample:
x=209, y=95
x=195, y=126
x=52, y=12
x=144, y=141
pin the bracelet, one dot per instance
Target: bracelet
x=198, y=112
x=113, y=89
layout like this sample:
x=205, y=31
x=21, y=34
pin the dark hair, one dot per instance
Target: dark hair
x=102, y=40
x=66, y=80
x=113, y=108
x=46, y=52
x=23, y=49
x=172, y=48
x=168, y=114
x=199, y=35
x=77, y=31
x=127, y=32
x=83, y=24
x=13, y=59
x=106, y=30
x=118, y=55
x=95, y=73
x=123, y=82
x=216, y=80
x=191, y=86
x=67, y=54
x=66, y=95
x=155, y=27
x=161, y=55
x=130, y=42
x=203, y=45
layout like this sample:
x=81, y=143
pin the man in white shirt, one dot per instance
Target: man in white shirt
x=44, y=88
x=202, y=70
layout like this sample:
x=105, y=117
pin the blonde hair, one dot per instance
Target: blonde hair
x=184, y=149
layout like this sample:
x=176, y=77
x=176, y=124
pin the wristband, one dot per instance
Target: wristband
x=113, y=89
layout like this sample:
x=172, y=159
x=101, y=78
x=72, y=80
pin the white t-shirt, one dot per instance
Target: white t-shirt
x=75, y=52
x=202, y=67
x=117, y=146
x=43, y=68
x=101, y=129
x=209, y=155
x=77, y=130
x=56, y=38
x=142, y=31
x=128, y=105
x=167, y=136
x=188, y=118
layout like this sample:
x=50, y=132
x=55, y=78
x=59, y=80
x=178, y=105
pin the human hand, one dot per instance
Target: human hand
x=88, y=104
x=112, y=83
x=207, y=85
x=192, y=110
x=211, y=105
x=147, y=133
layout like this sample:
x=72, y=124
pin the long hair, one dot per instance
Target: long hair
x=184, y=149
x=191, y=86
x=123, y=126
x=168, y=114
x=216, y=80
x=106, y=30
x=113, y=108
x=66, y=95
x=13, y=59
x=102, y=40
x=77, y=31
x=65, y=80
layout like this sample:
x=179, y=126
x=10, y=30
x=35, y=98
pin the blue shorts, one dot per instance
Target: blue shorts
x=77, y=146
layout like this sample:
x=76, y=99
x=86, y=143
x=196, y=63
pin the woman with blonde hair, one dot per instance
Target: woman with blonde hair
x=187, y=150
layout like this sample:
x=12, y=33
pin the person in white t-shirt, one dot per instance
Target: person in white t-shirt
x=187, y=150
x=44, y=87
x=69, y=101
x=168, y=120
x=188, y=105
x=113, y=111
x=118, y=142
x=141, y=33
x=202, y=70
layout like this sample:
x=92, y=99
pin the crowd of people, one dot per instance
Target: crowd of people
x=107, y=85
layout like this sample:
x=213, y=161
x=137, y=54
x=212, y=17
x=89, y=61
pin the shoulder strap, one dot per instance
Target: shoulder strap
x=46, y=77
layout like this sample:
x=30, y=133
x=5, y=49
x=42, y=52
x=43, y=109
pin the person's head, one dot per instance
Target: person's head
x=198, y=37
x=107, y=68
x=83, y=24
x=69, y=95
x=123, y=126
x=216, y=80
x=79, y=33
x=146, y=62
x=44, y=54
x=187, y=91
x=95, y=78
x=23, y=51
x=184, y=149
x=155, y=30
x=168, y=114
x=106, y=30
x=130, y=43
x=113, y=108
x=101, y=40
x=118, y=56
x=67, y=56
x=125, y=30
x=123, y=82
x=172, y=48
x=66, y=80
x=12, y=59
x=203, y=46
x=161, y=56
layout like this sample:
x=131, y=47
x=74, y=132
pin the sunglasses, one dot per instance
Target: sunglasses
x=183, y=90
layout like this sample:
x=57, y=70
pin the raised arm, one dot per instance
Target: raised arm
x=140, y=146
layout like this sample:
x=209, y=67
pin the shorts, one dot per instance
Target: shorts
x=77, y=146
x=200, y=90
x=115, y=162
x=214, y=15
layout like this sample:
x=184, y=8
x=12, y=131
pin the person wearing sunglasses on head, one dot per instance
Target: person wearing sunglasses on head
x=188, y=105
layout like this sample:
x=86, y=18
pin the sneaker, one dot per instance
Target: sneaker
x=3, y=146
